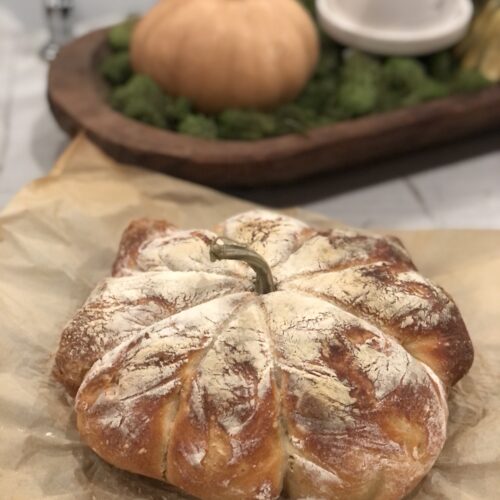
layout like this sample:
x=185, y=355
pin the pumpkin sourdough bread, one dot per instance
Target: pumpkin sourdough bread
x=330, y=383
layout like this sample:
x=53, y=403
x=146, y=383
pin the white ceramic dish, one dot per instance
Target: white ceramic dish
x=396, y=27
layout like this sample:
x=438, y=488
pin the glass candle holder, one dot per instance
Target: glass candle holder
x=59, y=20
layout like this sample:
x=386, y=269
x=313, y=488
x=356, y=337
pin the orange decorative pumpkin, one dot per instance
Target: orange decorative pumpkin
x=227, y=53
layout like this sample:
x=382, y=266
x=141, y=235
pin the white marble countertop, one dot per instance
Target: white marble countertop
x=457, y=186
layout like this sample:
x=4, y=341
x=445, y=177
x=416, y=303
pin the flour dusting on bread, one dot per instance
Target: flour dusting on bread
x=333, y=386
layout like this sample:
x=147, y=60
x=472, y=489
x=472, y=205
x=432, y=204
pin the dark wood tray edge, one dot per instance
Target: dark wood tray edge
x=77, y=99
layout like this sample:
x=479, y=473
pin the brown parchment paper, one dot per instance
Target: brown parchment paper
x=58, y=239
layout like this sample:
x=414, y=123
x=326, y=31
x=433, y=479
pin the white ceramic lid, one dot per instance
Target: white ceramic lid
x=396, y=27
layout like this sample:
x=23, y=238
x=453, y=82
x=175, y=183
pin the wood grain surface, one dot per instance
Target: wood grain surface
x=77, y=97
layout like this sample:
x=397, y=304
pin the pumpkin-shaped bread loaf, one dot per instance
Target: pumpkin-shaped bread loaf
x=227, y=53
x=313, y=364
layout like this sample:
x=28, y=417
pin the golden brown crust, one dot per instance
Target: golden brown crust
x=423, y=318
x=85, y=339
x=137, y=234
x=331, y=387
x=142, y=447
x=362, y=249
x=260, y=470
x=117, y=308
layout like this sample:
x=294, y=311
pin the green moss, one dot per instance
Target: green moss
x=116, y=68
x=294, y=119
x=119, y=36
x=359, y=88
x=141, y=99
x=402, y=75
x=328, y=63
x=405, y=82
x=318, y=95
x=468, y=81
x=357, y=99
x=245, y=124
x=177, y=109
x=198, y=125
x=428, y=90
x=141, y=111
x=442, y=65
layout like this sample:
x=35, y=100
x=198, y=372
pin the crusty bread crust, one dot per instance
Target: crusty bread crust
x=332, y=387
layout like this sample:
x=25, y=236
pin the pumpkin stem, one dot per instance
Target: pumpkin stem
x=226, y=249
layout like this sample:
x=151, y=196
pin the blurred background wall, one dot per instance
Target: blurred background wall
x=30, y=12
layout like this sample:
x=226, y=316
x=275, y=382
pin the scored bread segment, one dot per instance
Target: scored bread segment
x=406, y=306
x=128, y=400
x=227, y=432
x=119, y=307
x=352, y=400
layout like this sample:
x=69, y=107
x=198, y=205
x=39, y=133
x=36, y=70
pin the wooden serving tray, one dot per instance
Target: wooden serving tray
x=77, y=96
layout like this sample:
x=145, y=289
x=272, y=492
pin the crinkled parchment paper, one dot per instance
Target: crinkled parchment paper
x=58, y=238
